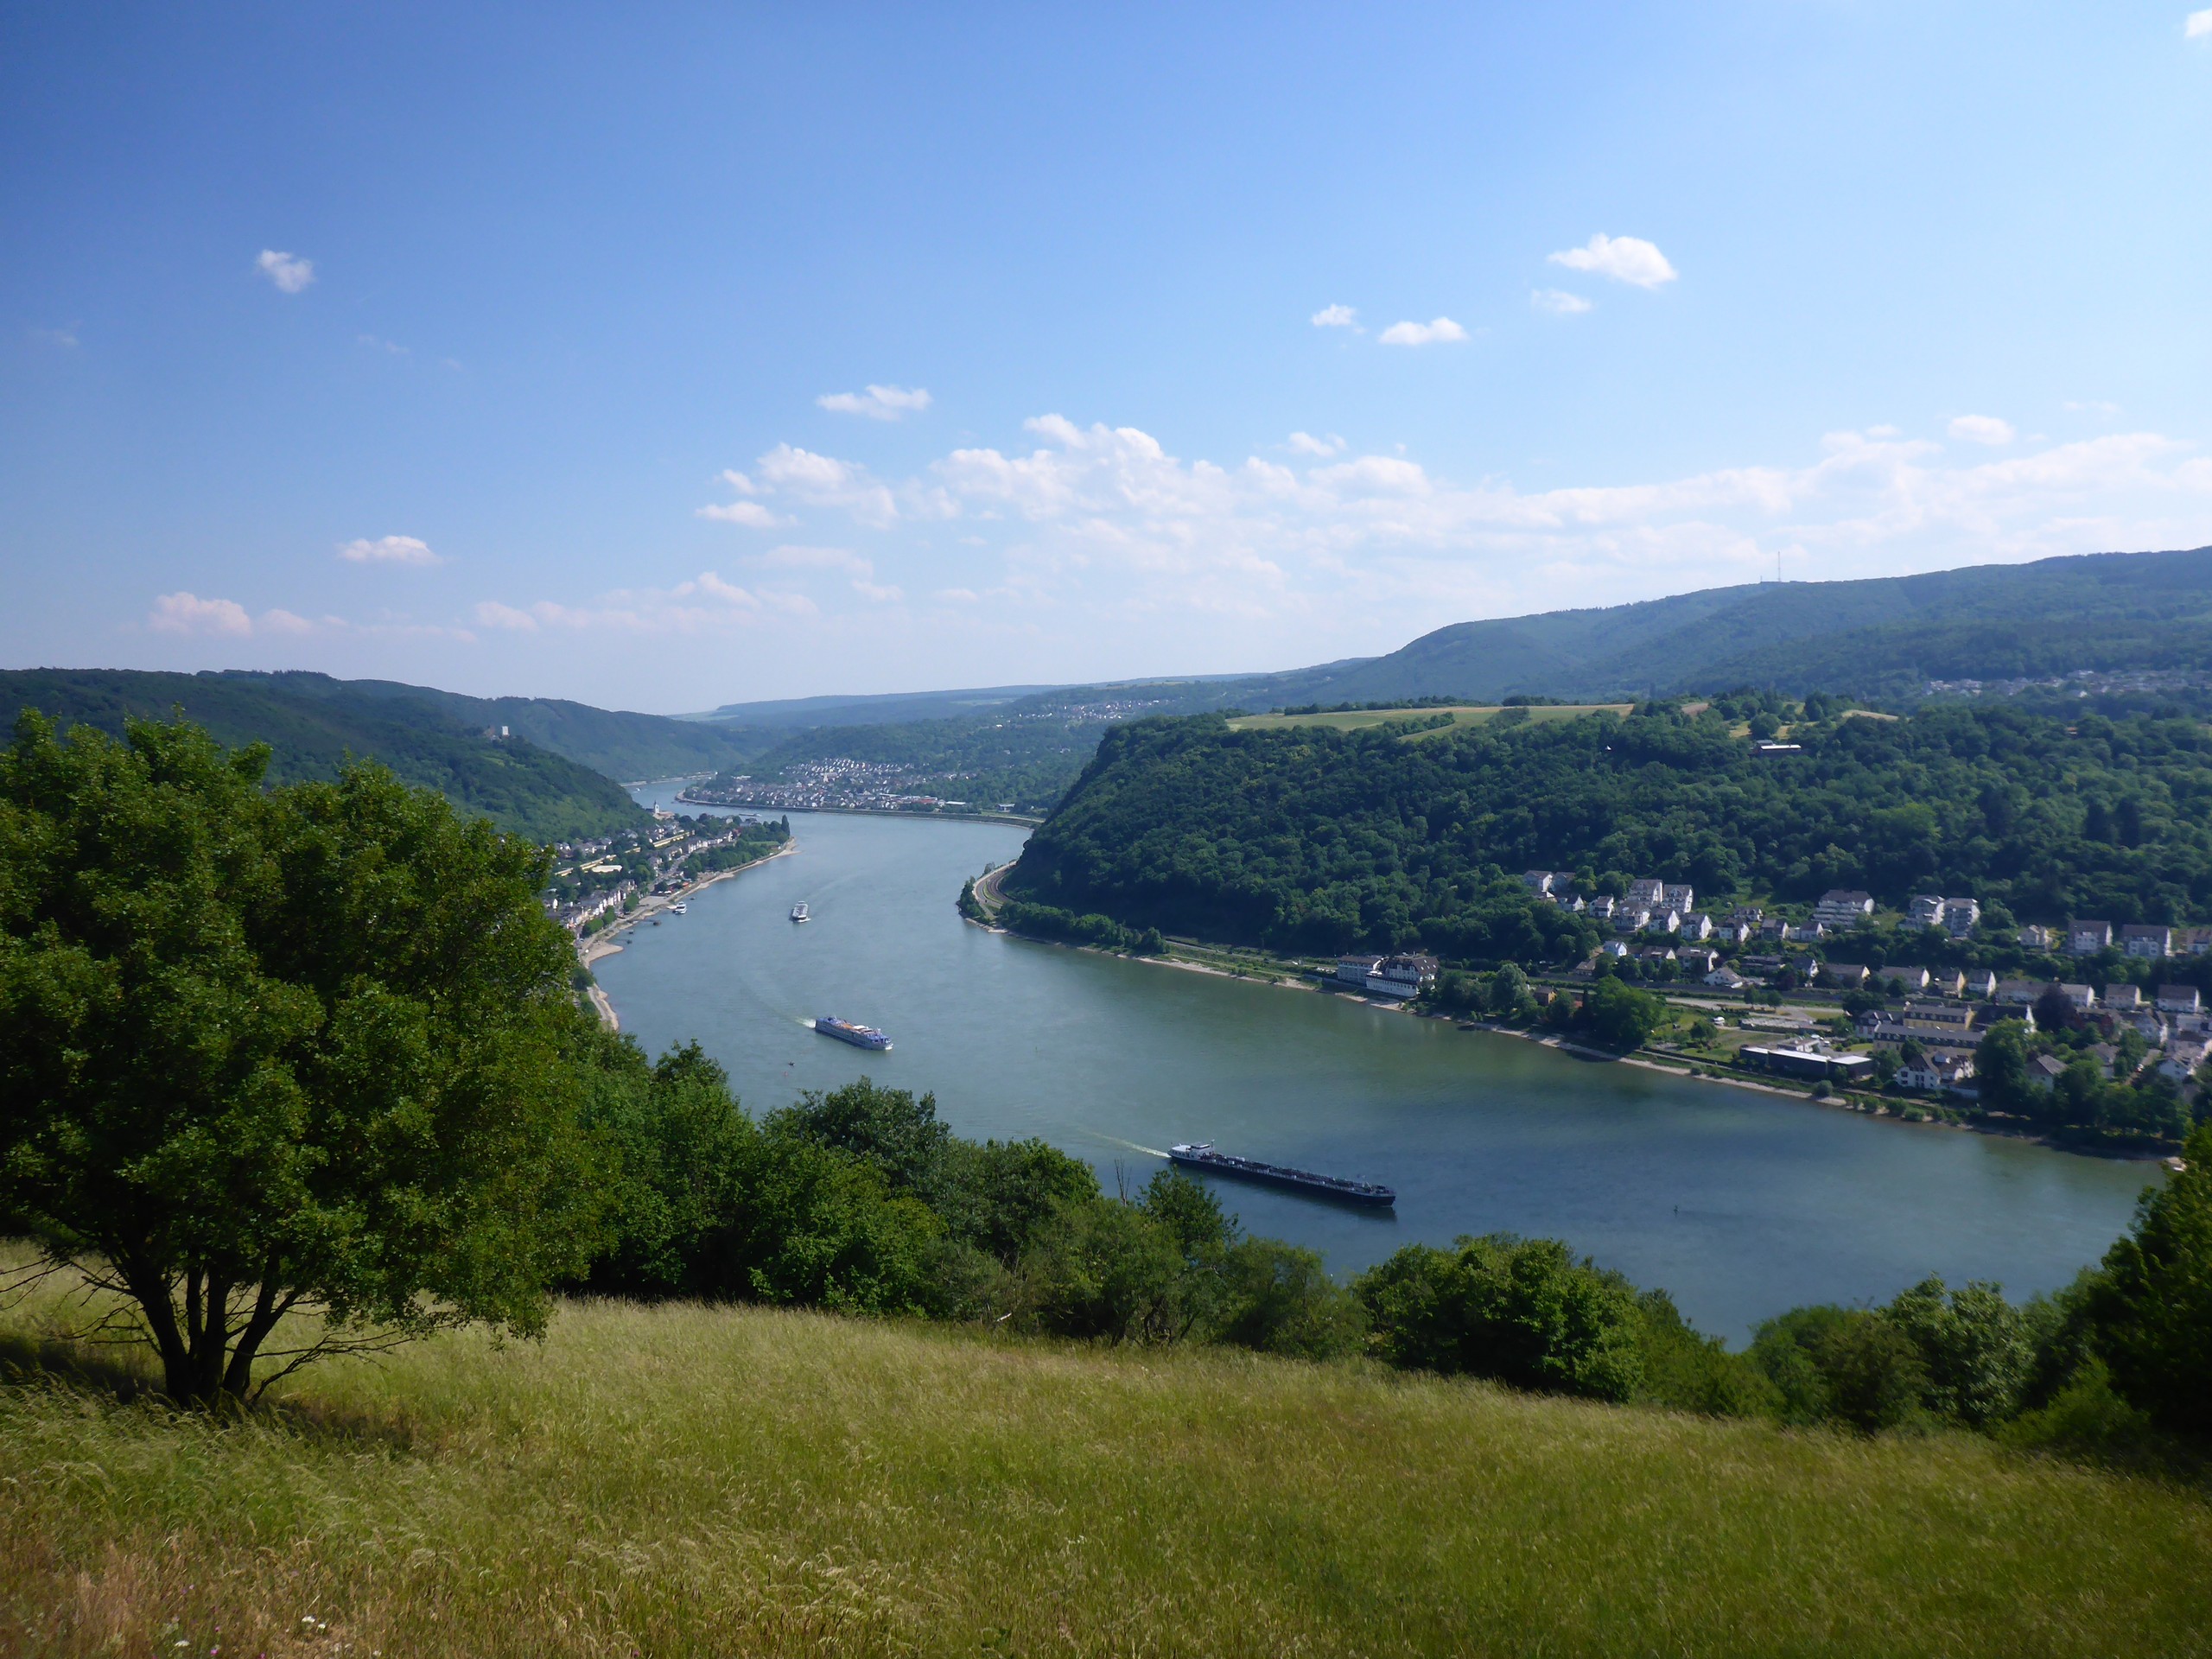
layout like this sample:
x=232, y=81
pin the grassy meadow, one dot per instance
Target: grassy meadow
x=686, y=1480
x=1361, y=720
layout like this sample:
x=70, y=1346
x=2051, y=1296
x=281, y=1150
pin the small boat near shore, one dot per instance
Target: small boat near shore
x=678, y=908
x=846, y=1032
x=798, y=912
x=1202, y=1155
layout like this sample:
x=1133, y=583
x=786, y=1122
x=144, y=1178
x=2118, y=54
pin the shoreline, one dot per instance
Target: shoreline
x=1884, y=1113
x=687, y=799
x=606, y=942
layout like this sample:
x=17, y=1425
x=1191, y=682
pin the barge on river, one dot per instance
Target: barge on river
x=1202, y=1155
x=846, y=1032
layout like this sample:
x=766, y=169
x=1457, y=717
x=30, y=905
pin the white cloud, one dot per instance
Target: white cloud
x=389, y=549
x=877, y=403
x=283, y=622
x=706, y=604
x=290, y=273
x=2198, y=25
x=1440, y=330
x=1983, y=428
x=1336, y=316
x=880, y=595
x=64, y=337
x=1306, y=444
x=493, y=615
x=186, y=613
x=1557, y=302
x=391, y=348
x=751, y=514
x=1623, y=259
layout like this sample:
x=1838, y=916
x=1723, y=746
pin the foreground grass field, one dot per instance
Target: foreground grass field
x=1360, y=719
x=694, y=1480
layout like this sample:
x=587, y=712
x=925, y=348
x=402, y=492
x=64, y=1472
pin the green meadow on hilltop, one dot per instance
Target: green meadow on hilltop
x=688, y=1479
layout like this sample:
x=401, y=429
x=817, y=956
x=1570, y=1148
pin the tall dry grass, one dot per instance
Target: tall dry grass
x=689, y=1480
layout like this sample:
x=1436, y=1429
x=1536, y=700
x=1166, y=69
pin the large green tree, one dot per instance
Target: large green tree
x=301, y=1052
x=2152, y=1306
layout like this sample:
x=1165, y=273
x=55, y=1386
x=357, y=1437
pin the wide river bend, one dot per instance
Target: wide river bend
x=1740, y=1204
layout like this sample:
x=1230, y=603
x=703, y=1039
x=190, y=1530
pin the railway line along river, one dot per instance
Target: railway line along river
x=1740, y=1204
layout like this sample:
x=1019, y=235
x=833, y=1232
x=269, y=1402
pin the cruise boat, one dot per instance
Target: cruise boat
x=799, y=911
x=846, y=1032
x=1202, y=1155
x=678, y=908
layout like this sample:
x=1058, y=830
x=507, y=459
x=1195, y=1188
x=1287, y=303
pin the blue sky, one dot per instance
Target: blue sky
x=531, y=349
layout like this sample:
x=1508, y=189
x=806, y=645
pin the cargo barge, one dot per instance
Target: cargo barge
x=1202, y=1155
x=846, y=1032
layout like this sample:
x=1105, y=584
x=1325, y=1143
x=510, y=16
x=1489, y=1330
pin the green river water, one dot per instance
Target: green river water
x=1740, y=1204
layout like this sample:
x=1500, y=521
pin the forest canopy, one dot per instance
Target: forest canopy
x=1313, y=839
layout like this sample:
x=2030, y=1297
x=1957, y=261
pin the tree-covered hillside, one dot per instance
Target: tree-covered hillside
x=1313, y=839
x=518, y=784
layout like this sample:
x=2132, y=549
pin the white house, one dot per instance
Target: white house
x=1726, y=979
x=1402, y=976
x=2123, y=998
x=1844, y=907
x=2086, y=938
x=1924, y=910
x=2152, y=940
x=2179, y=999
x=1961, y=917
x=1354, y=971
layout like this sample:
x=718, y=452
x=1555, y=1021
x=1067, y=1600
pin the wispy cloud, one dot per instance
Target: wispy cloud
x=290, y=273
x=1440, y=331
x=1557, y=302
x=64, y=337
x=389, y=549
x=1623, y=259
x=1983, y=428
x=184, y=613
x=2198, y=25
x=706, y=604
x=1305, y=443
x=391, y=348
x=1336, y=316
x=877, y=403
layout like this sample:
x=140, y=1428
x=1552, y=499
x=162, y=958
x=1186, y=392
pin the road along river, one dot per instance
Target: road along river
x=1740, y=1204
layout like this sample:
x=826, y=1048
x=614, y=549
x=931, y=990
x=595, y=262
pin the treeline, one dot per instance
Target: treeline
x=862, y=1200
x=1311, y=839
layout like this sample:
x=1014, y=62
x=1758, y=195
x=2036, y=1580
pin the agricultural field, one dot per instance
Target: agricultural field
x=1360, y=719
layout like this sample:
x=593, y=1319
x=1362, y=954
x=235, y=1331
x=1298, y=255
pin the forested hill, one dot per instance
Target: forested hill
x=312, y=722
x=1881, y=638
x=1316, y=839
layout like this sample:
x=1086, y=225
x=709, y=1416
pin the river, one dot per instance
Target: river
x=1740, y=1204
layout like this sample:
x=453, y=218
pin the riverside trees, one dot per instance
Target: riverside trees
x=266, y=1051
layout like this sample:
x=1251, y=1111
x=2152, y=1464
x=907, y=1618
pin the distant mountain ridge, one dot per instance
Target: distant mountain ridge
x=1884, y=636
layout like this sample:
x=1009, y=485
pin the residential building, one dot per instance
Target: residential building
x=2179, y=999
x=2086, y=938
x=1696, y=926
x=1647, y=890
x=1678, y=896
x=1844, y=976
x=1761, y=964
x=1775, y=751
x=1614, y=948
x=1810, y=932
x=1354, y=971
x=1844, y=907
x=1913, y=979
x=1602, y=906
x=1732, y=931
x=2153, y=940
x=2020, y=993
x=2192, y=941
x=1937, y=1073
x=1977, y=983
x=2183, y=1061
x=1747, y=916
x=2045, y=1070
x=1402, y=976
x=1664, y=921
x=1725, y=979
x=2035, y=936
x=2150, y=1026
x=1941, y=981
x=1924, y=910
x=1961, y=917
x=1696, y=960
x=1538, y=881
x=1653, y=954
x=2123, y=999
x=1631, y=918
x=1774, y=929
x=2083, y=997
